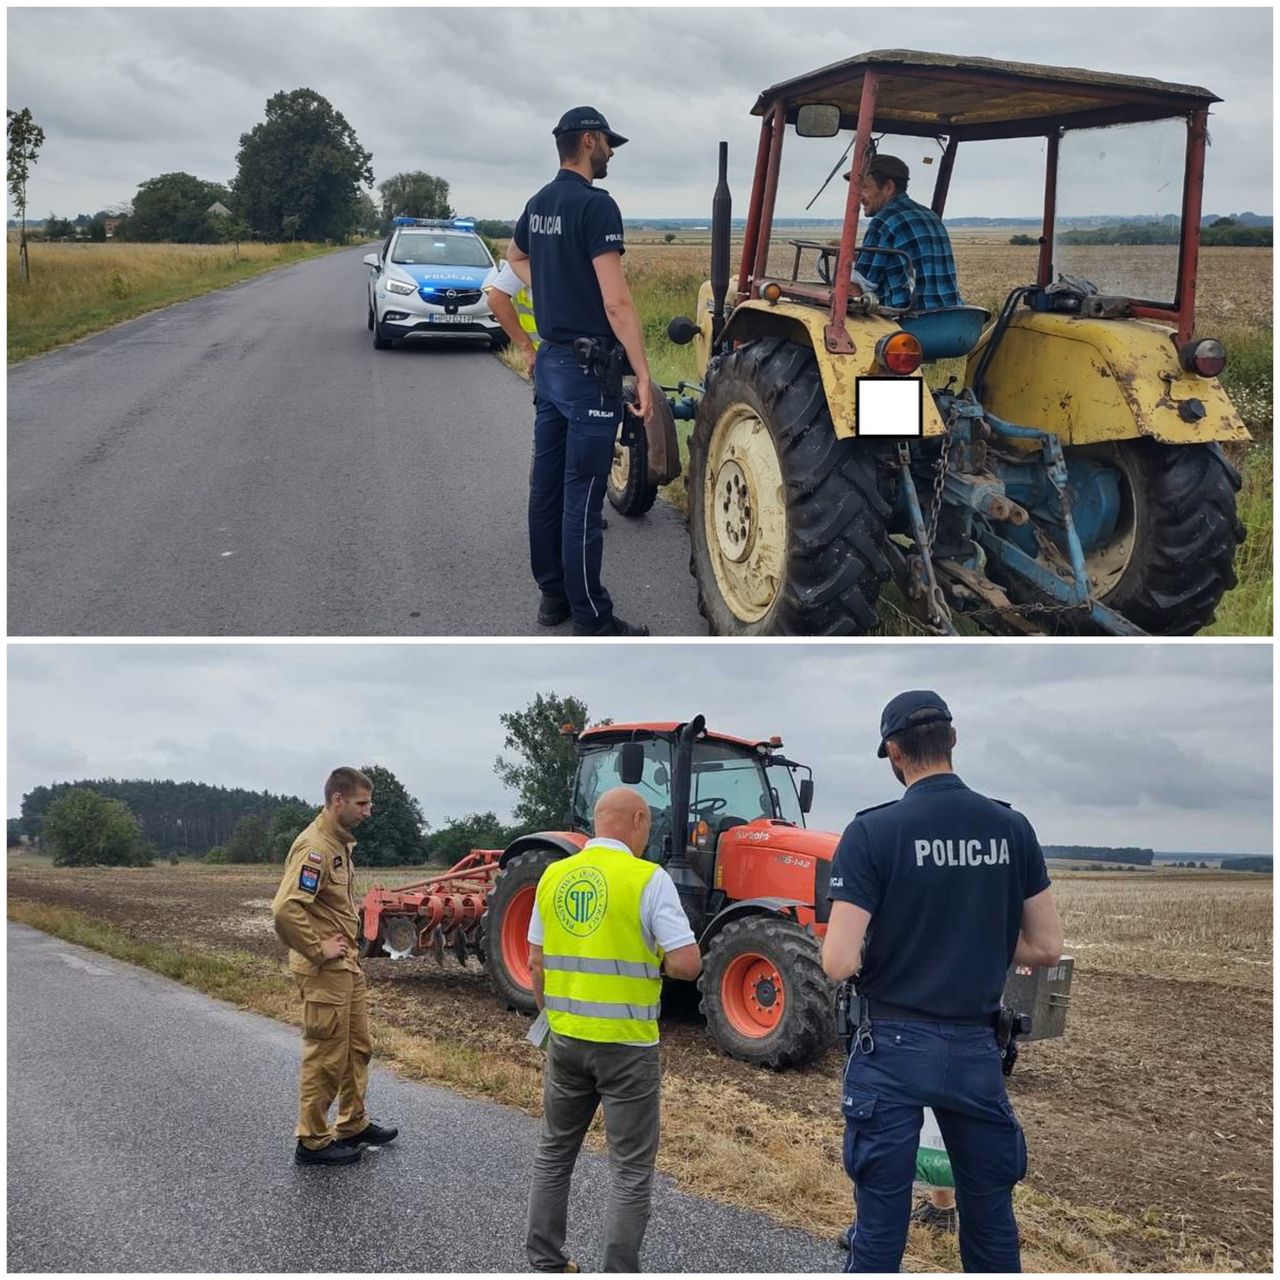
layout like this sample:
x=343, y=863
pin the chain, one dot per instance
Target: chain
x=939, y=479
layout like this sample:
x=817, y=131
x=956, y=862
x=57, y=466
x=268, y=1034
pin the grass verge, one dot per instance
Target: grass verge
x=79, y=289
x=722, y=1145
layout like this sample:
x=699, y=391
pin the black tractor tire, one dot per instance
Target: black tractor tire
x=833, y=560
x=628, y=487
x=516, y=879
x=806, y=1026
x=1187, y=532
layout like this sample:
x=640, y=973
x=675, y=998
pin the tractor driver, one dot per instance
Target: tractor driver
x=898, y=222
x=315, y=916
x=946, y=888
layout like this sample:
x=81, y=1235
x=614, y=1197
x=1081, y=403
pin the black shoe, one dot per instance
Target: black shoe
x=374, y=1135
x=927, y=1214
x=553, y=611
x=334, y=1153
x=614, y=627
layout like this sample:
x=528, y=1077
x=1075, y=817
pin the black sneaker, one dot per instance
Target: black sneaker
x=614, y=627
x=334, y=1153
x=553, y=610
x=927, y=1214
x=374, y=1135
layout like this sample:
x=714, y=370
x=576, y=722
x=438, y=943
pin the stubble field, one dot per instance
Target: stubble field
x=1149, y=1125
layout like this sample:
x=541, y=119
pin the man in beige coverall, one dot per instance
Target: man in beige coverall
x=315, y=916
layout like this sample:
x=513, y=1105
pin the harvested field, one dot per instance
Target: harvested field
x=1233, y=288
x=1149, y=1125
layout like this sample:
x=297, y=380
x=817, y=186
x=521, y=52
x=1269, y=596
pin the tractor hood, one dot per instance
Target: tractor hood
x=771, y=859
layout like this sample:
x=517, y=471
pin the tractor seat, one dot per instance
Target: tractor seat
x=947, y=332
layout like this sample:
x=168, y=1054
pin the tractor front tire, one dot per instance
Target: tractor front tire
x=628, y=487
x=1184, y=536
x=787, y=523
x=506, y=926
x=764, y=995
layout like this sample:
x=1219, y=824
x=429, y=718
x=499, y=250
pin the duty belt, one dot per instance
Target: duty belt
x=894, y=1012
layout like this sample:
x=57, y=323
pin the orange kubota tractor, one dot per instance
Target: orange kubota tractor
x=728, y=825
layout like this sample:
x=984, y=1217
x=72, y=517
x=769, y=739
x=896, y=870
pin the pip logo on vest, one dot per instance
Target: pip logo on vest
x=580, y=902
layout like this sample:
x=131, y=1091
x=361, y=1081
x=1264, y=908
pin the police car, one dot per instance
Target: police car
x=425, y=282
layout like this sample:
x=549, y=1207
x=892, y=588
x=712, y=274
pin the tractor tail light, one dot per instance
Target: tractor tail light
x=899, y=353
x=771, y=291
x=1204, y=356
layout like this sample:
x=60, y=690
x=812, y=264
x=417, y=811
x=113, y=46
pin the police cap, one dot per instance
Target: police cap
x=582, y=119
x=883, y=167
x=907, y=711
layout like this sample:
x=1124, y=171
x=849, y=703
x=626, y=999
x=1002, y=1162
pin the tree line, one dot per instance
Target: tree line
x=110, y=822
x=1099, y=853
x=301, y=174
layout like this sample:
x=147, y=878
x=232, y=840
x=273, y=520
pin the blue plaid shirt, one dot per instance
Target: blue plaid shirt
x=918, y=231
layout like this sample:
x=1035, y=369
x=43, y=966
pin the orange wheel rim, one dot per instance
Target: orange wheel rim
x=515, y=936
x=752, y=994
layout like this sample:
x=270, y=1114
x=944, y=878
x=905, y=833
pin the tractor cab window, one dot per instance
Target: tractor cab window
x=728, y=787
x=598, y=772
x=786, y=799
x=1118, y=212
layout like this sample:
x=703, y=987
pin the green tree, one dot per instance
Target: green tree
x=669, y=238
x=98, y=230
x=231, y=230
x=459, y=836
x=56, y=228
x=24, y=138
x=87, y=829
x=414, y=195
x=174, y=209
x=304, y=159
x=248, y=841
x=368, y=221
x=546, y=758
x=15, y=832
x=287, y=824
x=393, y=836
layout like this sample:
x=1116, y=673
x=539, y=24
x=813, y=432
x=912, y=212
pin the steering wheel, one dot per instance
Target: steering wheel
x=706, y=808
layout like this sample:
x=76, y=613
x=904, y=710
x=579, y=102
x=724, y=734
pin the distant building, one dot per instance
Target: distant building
x=111, y=224
x=219, y=208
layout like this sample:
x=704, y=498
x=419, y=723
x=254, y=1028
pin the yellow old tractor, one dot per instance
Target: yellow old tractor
x=1075, y=479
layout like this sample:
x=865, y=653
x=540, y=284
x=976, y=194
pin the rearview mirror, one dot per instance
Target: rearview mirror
x=818, y=120
x=806, y=794
x=631, y=762
x=371, y=260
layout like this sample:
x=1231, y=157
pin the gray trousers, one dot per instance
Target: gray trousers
x=579, y=1076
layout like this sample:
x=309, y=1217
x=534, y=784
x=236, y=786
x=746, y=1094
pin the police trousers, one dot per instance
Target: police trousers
x=574, y=429
x=579, y=1076
x=336, y=1049
x=956, y=1071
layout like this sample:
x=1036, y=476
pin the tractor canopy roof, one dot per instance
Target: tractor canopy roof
x=930, y=94
x=667, y=729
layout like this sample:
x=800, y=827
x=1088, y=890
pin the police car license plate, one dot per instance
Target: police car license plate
x=450, y=319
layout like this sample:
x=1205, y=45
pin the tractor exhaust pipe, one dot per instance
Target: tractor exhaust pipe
x=721, y=209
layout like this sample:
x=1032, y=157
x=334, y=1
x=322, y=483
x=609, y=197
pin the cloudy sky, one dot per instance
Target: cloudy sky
x=1160, y=746
x=471, y=94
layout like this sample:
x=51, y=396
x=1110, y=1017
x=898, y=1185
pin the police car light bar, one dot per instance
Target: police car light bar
x=458, y=224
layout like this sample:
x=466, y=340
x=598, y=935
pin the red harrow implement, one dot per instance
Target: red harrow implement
x=429, y=915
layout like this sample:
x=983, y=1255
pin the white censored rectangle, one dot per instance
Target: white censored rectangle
x=890, y=407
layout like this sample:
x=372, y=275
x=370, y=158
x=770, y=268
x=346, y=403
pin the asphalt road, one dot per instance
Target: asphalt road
x=247, y=464
x=149, y=1130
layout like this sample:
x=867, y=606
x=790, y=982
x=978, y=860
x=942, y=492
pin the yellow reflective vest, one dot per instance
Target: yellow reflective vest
x=523, y=303
x=601, y=981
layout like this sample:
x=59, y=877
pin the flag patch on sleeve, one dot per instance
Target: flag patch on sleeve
x=317, y=858
x=309, y=880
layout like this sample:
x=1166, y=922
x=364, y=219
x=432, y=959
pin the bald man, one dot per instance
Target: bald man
x=606, y=927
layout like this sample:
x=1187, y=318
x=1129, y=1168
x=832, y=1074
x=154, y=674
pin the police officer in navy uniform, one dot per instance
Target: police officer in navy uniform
x=946, y=888
x=568, y=247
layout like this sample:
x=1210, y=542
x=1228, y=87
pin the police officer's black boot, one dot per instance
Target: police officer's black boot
x=553, y=610
x=614, y=627
x=334, y=1153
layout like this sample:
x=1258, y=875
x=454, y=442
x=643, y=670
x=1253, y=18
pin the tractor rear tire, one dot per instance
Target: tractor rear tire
x=506, y=926
x=787, y=523
x=1185, y=536
x=764, y=995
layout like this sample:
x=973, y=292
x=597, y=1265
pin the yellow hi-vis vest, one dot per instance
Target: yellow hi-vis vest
x=523, y=303
x=600, y=980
